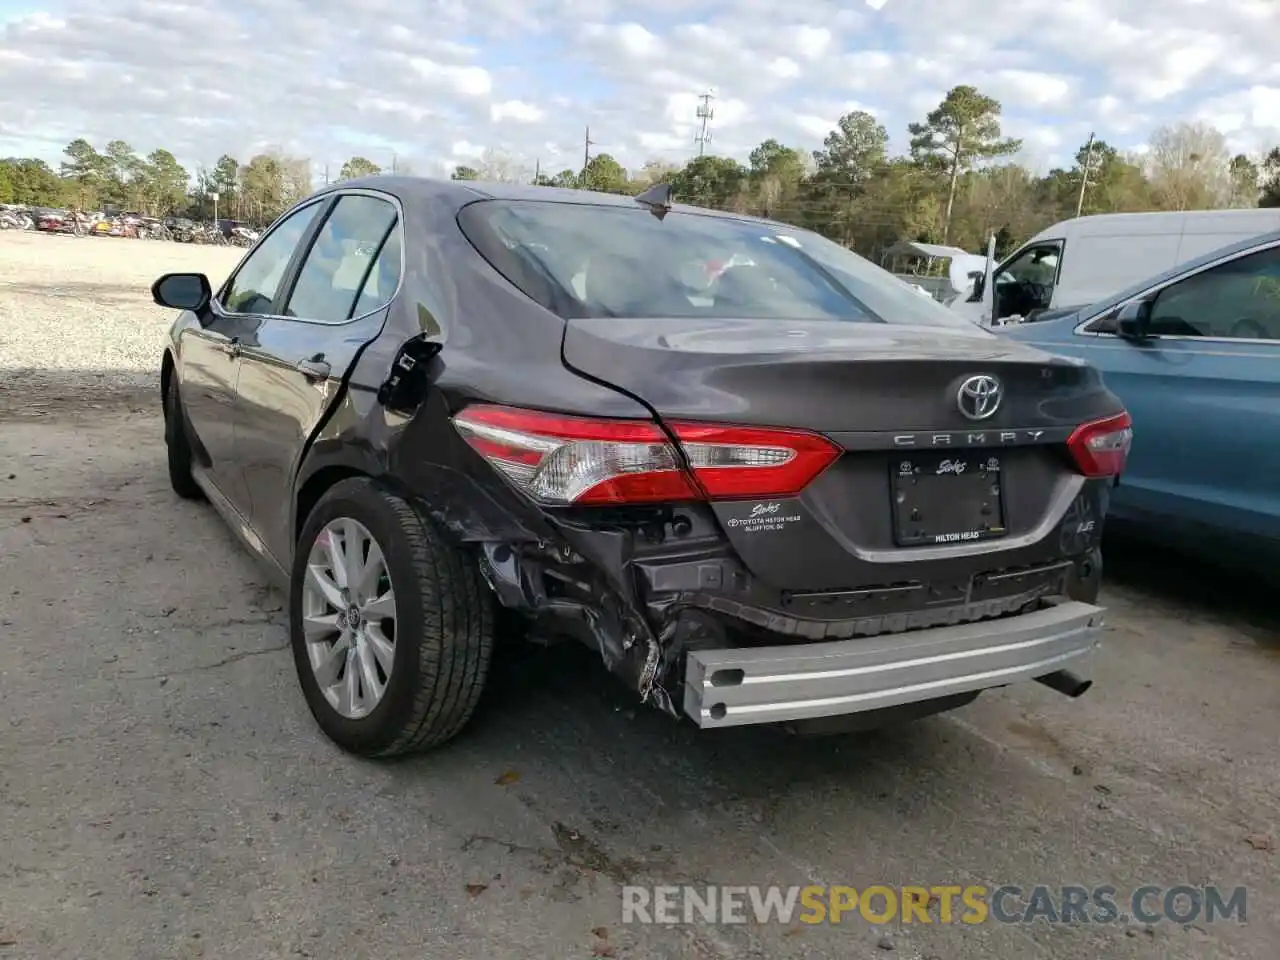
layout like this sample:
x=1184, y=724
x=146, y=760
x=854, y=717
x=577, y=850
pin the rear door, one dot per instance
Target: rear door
x=333, y=303
x=1204, y=393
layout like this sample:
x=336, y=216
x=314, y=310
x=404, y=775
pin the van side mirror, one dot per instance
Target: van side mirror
x=182, y=291
x=1133, y=322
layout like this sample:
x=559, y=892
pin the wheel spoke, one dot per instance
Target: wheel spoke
x=325, y=586
x=337, y=558
x=351, y=688
x=383, y=649
x=320, y=626
x=366, y=585
x=352, y=555
x=369, y=678
x=381, y=608
x=328, y=663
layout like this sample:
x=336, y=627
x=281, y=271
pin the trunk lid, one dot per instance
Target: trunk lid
x=827, y=376
x=922, y=497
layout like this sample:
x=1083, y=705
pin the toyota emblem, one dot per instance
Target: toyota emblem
x=979, y=397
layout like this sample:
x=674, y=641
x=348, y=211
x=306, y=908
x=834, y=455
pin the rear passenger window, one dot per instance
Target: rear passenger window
x=383, y=279
x=340, y=260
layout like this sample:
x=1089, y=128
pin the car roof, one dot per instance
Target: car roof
x=463, y=192
x=1186, y=266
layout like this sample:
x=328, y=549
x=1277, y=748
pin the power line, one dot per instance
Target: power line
x=705, y=113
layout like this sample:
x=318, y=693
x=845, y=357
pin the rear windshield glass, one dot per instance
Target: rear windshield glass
x=587, y=260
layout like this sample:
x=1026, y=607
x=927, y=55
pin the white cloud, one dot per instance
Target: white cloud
x=441, y=82
x=465, y=150
x=1244, y=117
x=784, y=68
x=516, y=110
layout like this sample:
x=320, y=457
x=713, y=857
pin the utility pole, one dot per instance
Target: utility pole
x=704, y=113
x=394, y=160
x=537, y=170
x=1084, y=174
x=587, y=144
x=326, y=174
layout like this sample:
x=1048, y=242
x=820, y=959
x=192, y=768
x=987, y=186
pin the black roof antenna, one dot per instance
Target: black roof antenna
x=657, y=199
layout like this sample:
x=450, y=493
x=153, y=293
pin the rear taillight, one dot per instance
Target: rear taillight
x=1101, y=447
x=557, y=459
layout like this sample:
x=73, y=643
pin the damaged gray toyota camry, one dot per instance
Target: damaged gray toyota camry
x=766, y=480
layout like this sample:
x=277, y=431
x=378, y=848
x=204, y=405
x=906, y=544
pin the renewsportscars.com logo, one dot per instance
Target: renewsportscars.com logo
x=937, y=904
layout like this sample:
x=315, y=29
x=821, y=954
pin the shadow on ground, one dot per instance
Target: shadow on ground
x=1231, y=589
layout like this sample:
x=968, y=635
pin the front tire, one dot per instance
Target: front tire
x=178, y=446
x=391, y=623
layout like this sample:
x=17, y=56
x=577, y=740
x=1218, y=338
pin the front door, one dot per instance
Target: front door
x=1204, y=393
x=294, y=369
x=211, y=353
x=209, y=366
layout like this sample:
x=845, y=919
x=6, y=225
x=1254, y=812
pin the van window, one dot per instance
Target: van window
x=1024, y=286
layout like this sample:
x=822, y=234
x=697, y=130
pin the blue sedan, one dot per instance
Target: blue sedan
x=1194, y=353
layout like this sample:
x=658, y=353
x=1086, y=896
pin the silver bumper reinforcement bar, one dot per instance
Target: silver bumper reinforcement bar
x=802, y=681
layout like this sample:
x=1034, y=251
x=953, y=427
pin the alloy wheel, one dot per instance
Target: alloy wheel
x=349, y=617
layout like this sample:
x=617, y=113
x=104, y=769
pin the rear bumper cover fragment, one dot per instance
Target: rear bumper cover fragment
x=725, y=688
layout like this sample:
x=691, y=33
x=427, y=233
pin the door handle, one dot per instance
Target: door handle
x=314, y=370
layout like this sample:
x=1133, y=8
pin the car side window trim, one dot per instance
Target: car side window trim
x=1081, y=328
x=290, y=278
x=217, y=299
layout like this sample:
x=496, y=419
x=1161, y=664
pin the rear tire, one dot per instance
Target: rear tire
x=442, y=615
x=178, y=446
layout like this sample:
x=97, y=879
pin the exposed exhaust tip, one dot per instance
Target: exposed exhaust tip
x=1065, y=682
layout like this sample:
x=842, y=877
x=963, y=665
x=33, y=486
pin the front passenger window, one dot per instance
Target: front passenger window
x=1237, y=300
x=253, y=289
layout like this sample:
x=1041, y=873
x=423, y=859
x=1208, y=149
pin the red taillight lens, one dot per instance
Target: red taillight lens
x=1100, y=448
x=561, y=460
x=735, y=463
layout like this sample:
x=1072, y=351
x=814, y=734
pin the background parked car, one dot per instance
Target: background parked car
x=1194, y=353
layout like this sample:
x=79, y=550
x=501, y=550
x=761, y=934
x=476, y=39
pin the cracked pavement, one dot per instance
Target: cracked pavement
x=164, y=792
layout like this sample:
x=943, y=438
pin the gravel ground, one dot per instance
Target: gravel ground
x=164, y=793
x=77, y=323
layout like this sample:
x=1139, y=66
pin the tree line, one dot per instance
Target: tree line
x=955, y=184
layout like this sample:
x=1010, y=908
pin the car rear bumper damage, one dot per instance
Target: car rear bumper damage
x=794, y=682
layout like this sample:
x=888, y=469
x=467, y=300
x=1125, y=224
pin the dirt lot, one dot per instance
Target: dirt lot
x=163, y=792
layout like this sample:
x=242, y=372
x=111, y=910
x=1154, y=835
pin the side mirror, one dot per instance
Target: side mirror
x=182, y=291
x=1134, y=320
x=979, y=279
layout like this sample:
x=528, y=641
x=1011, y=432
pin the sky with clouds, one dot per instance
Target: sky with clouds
x=437, y=81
